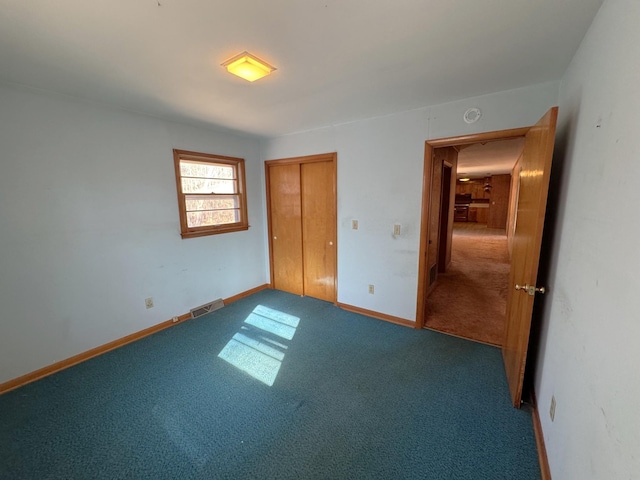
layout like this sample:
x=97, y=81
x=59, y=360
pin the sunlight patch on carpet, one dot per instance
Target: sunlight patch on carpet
x=273, y=321
x=253, y=351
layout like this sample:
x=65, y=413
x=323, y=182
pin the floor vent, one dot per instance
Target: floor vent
x=207, y=308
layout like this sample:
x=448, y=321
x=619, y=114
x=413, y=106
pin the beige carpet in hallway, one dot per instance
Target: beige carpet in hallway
x=470, y=299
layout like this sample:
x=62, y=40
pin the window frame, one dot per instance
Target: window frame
x=238, y=164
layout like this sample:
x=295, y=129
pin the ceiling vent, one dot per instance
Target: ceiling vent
x=472, y=115
x=207, y=308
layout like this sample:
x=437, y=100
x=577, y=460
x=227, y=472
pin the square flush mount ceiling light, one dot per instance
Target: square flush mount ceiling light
x=248, y=66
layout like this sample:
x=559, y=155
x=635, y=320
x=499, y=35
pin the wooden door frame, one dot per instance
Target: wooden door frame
x=429, y=146
x=322, y=157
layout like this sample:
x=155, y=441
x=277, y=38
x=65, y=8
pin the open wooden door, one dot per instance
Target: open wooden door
x=534, y=186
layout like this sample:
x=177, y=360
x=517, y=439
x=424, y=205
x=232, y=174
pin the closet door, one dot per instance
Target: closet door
x=286, y=227
x=319, y=229
x=302, y=225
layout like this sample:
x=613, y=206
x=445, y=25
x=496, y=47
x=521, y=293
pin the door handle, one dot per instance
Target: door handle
x=531, y=290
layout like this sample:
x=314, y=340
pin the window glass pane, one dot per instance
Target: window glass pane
x=211, y=218
x=208, y=185
x=206, y=170
x=207, y=202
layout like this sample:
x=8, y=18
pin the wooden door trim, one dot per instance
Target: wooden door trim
x=429, y=146
x=479, y=137
x=322, y=157
x=424, y=233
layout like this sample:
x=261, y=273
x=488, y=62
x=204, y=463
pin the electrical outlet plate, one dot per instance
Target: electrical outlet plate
x=396, y=229
x=371, y=289
x=148, y=302
x=552, y=408
x=354, y=224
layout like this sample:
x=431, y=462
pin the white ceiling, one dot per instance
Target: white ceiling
x=337, y=60
x=493, y=158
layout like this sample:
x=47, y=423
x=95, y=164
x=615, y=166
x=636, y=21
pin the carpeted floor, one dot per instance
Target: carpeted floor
x=470, y=299
x=274, y=386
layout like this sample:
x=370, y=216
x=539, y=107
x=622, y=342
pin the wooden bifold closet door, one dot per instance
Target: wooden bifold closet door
x=302, y=225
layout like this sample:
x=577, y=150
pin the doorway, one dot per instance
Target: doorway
x=440, y=217
x=468, y=298
x=428, y=236
x=533, y=176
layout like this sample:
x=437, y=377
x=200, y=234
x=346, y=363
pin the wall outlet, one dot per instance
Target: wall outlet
x=371, y=289
x=396, y=229
x=175, y=319
x=148, y=302
x=552, y=408
x=354, y=224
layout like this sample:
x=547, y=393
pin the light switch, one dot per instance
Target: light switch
x=396, y=230
x=354, y=224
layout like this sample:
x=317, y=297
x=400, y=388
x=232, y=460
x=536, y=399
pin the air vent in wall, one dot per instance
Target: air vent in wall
x=207, y=308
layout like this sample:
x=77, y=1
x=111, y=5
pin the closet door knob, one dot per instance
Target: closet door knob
x=275, y=238
x=330, y=243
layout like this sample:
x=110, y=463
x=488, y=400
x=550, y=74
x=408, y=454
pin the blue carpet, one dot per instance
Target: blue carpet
x=274, y=386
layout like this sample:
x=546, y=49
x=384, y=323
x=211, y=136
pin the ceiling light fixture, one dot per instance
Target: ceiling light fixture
x=248, y=66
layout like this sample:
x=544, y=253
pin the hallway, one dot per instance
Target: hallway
x=470, y=299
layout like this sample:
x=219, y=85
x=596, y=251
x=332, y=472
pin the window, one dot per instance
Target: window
x=211, y=193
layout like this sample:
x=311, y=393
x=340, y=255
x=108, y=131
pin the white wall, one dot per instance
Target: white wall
x=89, y=227
x=589, y=357
x=380, y=164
